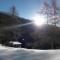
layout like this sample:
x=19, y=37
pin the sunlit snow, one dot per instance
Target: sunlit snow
x=8, y=53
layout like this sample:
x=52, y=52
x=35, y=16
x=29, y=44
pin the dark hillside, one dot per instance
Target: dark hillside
x=8, y=20
x=12, y=34
x=45, y=37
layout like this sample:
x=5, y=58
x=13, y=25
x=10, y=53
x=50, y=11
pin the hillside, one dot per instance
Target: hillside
x=10, y=29
x=45, y=37
x=9, y=20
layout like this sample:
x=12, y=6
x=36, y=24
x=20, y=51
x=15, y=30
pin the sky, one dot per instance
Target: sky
x=25, y=8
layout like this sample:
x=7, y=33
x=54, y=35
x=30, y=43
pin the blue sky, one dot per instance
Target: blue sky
x=25, y=8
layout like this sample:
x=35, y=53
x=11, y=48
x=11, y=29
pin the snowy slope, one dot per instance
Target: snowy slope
x=8, y=53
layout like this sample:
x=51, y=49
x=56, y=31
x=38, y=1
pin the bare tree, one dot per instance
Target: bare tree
x=13, y=11
x=51, y=11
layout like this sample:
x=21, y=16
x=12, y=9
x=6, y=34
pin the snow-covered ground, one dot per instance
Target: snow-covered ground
x=8, y=53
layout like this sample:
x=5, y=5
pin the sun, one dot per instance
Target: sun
x=39, y=19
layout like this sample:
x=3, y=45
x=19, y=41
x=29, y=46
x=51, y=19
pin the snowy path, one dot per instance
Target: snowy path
x=7, y=53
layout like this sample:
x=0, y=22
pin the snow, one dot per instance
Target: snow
x=9, y=53
x=15, y=42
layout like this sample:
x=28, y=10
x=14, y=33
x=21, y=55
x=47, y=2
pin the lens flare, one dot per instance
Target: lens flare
x=39, y=20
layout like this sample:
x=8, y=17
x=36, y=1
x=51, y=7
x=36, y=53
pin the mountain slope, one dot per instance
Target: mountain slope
x=43, y=37
x=9, y=20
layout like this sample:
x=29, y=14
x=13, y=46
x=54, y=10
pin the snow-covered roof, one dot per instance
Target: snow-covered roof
x=15, y=42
